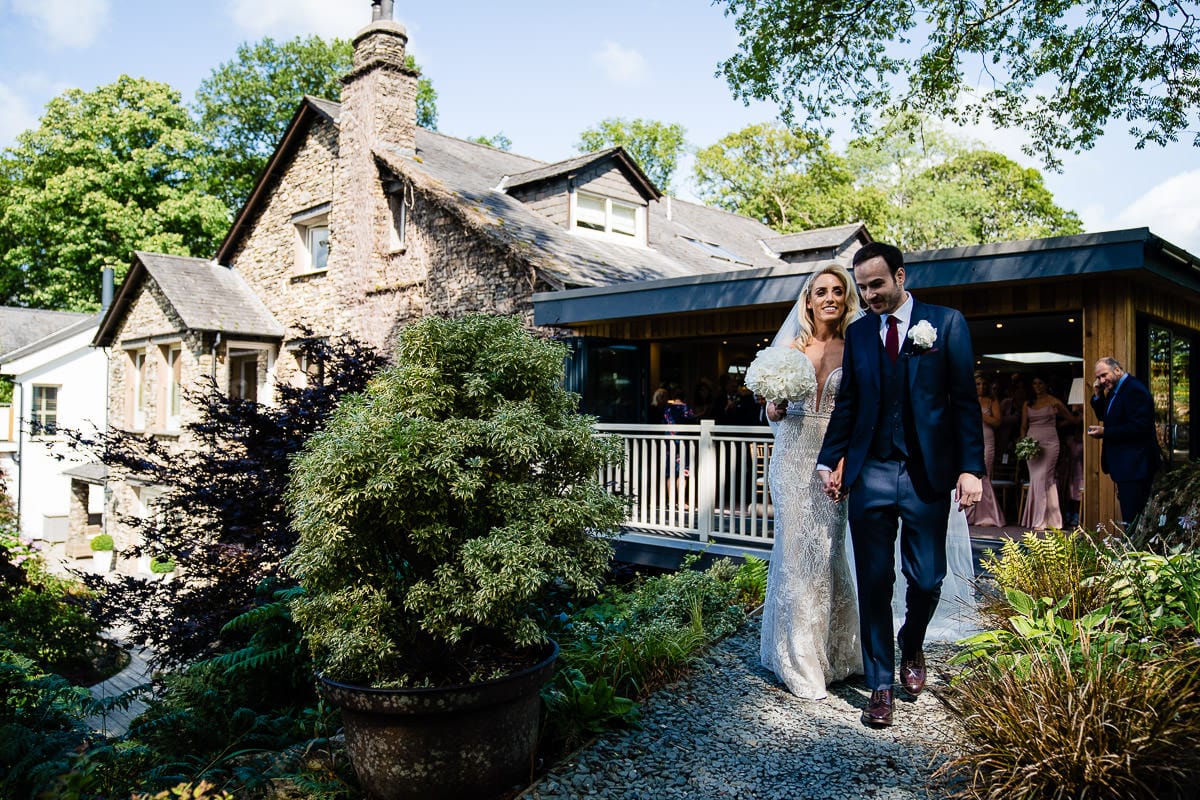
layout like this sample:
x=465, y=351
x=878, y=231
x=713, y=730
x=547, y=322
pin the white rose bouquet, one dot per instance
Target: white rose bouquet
x=1028, y=448
x=923, y=335
x=778, y=373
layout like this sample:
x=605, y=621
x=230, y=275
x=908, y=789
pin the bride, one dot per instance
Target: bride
x=810, y=633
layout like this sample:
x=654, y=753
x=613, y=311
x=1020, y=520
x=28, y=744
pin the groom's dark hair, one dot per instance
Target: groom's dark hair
x=888, y=252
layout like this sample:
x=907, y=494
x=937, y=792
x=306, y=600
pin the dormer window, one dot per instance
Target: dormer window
x=595, y=215
x=312, y=239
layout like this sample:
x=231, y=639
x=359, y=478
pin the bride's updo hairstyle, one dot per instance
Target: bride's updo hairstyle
x=804, y=318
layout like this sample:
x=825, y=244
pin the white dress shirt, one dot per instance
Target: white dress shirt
x=903, y=315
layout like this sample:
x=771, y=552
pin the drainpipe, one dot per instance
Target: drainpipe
x=106, y=298
x=215, y=344
x=20, y=455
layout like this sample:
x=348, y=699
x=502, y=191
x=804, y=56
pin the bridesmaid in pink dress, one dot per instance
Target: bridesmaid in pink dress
x=1039, y=419
x=987, y=510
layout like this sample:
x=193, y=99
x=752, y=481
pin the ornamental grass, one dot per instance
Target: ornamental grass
x=1104, y=726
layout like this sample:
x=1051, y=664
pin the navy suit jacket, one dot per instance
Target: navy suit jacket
x=1129, y=450
x=941, y=398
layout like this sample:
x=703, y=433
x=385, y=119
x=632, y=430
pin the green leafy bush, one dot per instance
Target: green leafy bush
x=161, y=565
x=640, y=639
x=438, y=508
x=41, y=724
x=1058, y=564
x=45, y=619
x=101, y=542
x=1089, y=685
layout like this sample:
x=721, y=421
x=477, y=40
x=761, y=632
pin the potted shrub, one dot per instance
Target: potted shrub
x=102, y=552
x=439, y=512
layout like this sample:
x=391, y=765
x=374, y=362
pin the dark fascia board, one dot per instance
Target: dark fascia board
x=292, y=137
x=1055, y=257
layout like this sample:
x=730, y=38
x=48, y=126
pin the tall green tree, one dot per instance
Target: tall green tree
x=919, y=191
x=792, y=181
x=655, y=146
x=105, y=173
x=974, y=198
x=245, y=105
x=1059, y=70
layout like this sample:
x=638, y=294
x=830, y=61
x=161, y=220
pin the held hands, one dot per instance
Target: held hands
x=833, y=482
x=968, y=491
x=777, y=411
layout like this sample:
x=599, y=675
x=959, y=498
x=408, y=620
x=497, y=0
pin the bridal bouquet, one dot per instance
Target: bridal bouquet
x=1028, y=448
x=778, y=373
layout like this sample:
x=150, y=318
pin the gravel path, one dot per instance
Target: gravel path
x=730, y=730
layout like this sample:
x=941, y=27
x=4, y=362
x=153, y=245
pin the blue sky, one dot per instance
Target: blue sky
x=540, y=72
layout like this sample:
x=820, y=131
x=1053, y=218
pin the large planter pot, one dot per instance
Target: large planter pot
x=472, y=741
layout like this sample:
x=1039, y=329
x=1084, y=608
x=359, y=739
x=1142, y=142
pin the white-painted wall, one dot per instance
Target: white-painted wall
x=80, y=371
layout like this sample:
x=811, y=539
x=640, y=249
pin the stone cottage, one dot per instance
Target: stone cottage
x=362, y=222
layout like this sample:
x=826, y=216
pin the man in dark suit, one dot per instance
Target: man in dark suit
x=1130, y=453
x=908, y=426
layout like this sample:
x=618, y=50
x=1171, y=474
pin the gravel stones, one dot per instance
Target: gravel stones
x=730, y=730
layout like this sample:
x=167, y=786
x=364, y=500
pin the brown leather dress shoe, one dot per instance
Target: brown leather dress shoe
x=912, y=674
x=879, y=709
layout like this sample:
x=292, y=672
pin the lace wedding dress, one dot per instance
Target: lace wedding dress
x=810, y=633
x=810, y=619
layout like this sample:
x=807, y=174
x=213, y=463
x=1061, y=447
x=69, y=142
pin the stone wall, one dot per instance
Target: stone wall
x=267, y=257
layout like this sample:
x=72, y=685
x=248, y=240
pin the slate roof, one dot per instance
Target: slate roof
x=81, y=323
x=206, y=295
x=470, y=173
x=820, y=239
x=92, y=472
x=20, y=327
x=648, y=189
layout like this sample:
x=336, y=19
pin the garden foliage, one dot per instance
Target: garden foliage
x=438, y=508
x=221, y=519
x=1088, y=685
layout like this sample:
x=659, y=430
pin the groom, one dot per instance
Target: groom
x=907, y=423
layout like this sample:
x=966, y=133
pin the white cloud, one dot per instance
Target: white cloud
x=18, y=116
x=66, y=23
x=288, y=18
x=620, y=65
x=1171, y=209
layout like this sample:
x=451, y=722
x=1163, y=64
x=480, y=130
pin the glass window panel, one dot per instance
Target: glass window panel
x=1160, y=383
x=1181, y=399
x=45, y=410
x=318, y=246
x=590, y=212
x=624, y=219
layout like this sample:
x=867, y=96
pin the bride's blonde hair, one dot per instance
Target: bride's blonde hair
x=850, y=312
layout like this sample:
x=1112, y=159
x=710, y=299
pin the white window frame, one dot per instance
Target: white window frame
x=173, y=360
x=265, y=393
x=140, y=360
x=610, y=234
x=309, y=224
x=38, y=413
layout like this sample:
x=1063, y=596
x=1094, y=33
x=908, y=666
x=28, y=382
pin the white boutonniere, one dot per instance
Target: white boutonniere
x=923, y=335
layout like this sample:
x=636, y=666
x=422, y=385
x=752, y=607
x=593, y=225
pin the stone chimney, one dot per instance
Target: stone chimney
x=379, y=112
x=379, y=95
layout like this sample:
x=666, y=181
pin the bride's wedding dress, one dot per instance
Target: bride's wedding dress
x=810, y=617
x=810, y=634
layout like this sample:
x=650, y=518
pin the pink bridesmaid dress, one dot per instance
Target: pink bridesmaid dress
x=987, y=510
x=1041, y=507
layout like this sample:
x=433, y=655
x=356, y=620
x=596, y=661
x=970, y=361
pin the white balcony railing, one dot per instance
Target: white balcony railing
x=705, y=482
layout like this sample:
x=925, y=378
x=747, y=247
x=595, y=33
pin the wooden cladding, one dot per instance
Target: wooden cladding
x=761, y=321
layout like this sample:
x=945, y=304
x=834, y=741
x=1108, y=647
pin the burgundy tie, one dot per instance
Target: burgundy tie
x=892, y=342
